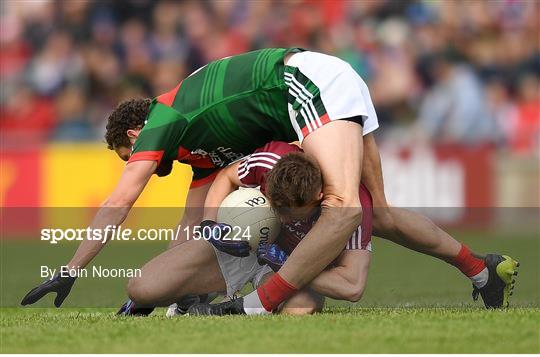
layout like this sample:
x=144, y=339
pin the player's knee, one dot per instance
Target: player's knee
x=138, y=291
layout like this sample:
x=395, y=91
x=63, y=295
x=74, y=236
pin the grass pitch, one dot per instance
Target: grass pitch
x=360, y=330
x=413, y=304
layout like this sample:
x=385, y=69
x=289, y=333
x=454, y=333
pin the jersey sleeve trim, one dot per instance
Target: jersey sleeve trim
x=251, y=171
x=168, y=98
x=204, y=181
x=147, y=156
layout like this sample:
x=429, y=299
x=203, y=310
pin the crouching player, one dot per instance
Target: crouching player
x=196, y=269
x=292, y=181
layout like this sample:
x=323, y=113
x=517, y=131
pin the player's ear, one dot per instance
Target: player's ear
x=321, y=195
x=133, y=133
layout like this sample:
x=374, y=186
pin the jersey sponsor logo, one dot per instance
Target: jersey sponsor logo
x=199, y=152
x=299, y=229
x=220, y=157
x=223, y=156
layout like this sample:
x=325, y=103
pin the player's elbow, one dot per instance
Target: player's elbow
x=355, y=293
x=117, y=202
x=351, y=291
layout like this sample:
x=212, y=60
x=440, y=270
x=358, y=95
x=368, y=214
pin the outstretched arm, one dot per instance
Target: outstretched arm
x=115, y=209
x=112, y=213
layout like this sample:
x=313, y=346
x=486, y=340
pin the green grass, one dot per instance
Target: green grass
x=413, y=304
x=361, y=330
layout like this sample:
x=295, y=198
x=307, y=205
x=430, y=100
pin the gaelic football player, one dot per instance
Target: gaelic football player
x=292, y=181
x=297, y=181
x=232, y=106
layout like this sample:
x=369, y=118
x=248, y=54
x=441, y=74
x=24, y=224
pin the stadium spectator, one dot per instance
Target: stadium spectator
x=110, y=50
x=527, y=133
x=73, y=123
x=454, y=110
x=26, y=118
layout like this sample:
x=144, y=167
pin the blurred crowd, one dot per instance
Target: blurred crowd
x=452, y=71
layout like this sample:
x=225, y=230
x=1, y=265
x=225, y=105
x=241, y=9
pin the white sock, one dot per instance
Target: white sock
x=171, y=310
x=253, y=305
x=480, y=280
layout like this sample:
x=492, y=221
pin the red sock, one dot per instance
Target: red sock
x=467, y=263
x=274, y=292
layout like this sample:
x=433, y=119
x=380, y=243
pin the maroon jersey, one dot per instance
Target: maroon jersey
x=252, y=173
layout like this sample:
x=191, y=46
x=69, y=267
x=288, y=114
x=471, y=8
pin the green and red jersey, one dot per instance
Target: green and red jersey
x=219, y=114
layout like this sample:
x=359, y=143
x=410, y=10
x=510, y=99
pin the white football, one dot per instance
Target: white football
x=250, y=216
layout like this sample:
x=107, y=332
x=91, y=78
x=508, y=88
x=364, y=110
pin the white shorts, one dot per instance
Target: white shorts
x=237, y=271
x=324, y=88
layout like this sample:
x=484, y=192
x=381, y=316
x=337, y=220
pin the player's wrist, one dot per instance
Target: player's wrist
x=65, y=280
x=208, y=223
x=67, y=273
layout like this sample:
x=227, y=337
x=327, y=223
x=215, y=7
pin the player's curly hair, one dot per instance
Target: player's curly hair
x=294, y=181
x=129, y=114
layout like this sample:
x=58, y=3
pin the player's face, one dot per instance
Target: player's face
x=300, y=213
x=124, y=152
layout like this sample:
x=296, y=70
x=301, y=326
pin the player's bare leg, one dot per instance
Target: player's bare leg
x=304, y=302
x=190, y=268
x=417, y=232
x=401, y=226
x=337, y=147
x=348, y=287
x=191, y=216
